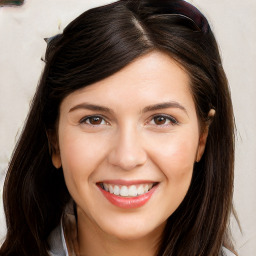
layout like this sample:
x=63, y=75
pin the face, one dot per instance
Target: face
x=127, y=145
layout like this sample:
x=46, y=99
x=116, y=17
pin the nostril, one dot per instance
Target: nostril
x=127, y=160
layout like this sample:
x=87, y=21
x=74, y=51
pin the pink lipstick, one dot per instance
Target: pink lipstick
x=127, y=194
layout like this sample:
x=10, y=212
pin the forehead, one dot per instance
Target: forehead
x=150, y=79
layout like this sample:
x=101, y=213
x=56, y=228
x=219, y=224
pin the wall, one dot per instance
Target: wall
x=22, y=30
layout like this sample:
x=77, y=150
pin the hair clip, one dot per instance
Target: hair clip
x=49, y=39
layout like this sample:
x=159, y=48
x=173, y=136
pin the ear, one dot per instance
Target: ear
x=54, y=148
x=204, y=135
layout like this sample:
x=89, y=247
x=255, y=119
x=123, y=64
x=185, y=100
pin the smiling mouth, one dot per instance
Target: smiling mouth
x=127, y=191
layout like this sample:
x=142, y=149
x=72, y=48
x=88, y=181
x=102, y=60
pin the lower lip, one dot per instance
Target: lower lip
x=128, y=202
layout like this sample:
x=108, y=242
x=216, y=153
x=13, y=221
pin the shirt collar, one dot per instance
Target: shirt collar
x=63, y=239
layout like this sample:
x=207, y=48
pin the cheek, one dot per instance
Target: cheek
x=175, y=156
x=175, y=159
x=80, y=154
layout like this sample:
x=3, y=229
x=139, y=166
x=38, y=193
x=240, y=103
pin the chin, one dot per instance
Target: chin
x=127, y=229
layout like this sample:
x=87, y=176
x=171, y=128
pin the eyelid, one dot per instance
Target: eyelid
x=173, y=121
x=83, y=119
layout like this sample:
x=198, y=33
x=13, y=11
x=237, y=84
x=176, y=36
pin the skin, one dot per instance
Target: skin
x=129, y=142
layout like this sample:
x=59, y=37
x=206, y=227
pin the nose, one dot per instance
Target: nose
x=127, y=152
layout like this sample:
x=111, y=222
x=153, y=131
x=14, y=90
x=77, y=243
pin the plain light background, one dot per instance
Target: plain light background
x=22, y=30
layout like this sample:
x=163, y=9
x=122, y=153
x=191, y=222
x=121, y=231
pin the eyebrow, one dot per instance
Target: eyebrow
x=164, y=105
x=91, y=107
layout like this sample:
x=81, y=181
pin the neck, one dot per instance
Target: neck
x=93, y=241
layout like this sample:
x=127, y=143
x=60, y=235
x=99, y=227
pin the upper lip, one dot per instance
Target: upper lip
x=126, y=182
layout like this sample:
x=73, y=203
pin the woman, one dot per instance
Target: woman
x=128, y=148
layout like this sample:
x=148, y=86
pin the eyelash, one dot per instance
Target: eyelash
x=85, y=119
x=172, y=120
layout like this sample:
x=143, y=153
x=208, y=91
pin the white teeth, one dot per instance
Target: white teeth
x=105, y=186
x=133, y=191
x=111, y=190
x=124, y=191
x=127, y=191
x=116, y=190
x=140, y=190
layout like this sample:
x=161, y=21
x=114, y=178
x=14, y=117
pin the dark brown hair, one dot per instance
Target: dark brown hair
x=94, y=46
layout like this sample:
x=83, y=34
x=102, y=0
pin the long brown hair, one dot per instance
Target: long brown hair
x=94, y=46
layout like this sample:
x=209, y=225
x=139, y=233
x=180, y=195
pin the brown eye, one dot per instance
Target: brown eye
x=163, y=120
x=160, y=120
x=93, y=120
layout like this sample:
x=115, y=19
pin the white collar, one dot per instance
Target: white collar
x=57, y=242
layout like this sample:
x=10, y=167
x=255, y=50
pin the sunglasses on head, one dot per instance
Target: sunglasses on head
x=179, y=8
